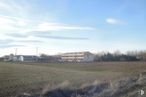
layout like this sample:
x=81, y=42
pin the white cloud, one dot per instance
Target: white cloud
x=46, y=26
x=10, y=24
x=4, y=6
x=13, y=7
x=22, y=23
x=5, y=21
x=6, y=24
x=114, y=21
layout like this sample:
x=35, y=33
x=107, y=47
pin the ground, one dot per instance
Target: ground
x=18, y=78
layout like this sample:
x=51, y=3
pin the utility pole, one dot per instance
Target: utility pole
x=36, y=51
x=15, y=51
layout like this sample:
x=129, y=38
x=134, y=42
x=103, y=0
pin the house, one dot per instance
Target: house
x=77, y=57
x=8, y=57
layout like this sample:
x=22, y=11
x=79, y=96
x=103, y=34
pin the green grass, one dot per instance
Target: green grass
x=16, y=78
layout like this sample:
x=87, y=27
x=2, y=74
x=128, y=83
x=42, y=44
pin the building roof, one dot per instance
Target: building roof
x=76, y=53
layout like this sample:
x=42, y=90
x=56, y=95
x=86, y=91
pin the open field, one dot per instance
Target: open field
x=17, y=78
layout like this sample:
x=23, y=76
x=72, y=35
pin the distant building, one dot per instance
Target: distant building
x=47, y=58
x=21, y=58
x=77, y=57
x=8, y=57
x=65, y=57
x=26, y=58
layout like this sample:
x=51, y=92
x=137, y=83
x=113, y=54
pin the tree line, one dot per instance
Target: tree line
x=117, y=56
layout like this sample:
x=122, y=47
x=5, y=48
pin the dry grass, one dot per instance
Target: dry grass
x=17, y=78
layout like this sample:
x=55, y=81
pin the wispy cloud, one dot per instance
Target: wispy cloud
x=19, y=28
x=6, y=23
x=10, y=45
x=5, y=41
x=44, y=35
x=28, y=41
x=26, y=25
x=12, y=7
x=17, y=35
x=16, y=43
x=12, y=24
x=27, y=34
x=49, y=35
x=40, y=29
x=114, y=21
x=59, y=26
x=64, y=38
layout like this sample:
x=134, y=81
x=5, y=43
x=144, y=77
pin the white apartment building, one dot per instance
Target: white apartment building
x=77, y=57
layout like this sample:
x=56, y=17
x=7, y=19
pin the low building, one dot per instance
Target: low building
x=26, y=58
x=21, y=58
x=47, y=58
x=77, y=57
x=8, y=57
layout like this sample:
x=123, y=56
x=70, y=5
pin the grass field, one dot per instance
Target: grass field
x=17, y=78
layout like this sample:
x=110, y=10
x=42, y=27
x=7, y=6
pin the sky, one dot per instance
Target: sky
x=58, y=26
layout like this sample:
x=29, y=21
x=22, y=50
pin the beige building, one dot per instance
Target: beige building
x=77, y=57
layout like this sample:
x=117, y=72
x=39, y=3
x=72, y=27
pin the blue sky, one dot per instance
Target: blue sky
x=57, y=26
